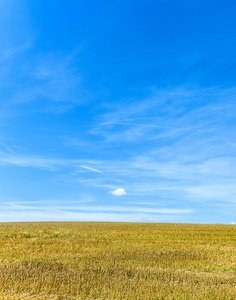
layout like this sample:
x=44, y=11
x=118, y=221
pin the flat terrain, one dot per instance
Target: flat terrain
x=75, y=260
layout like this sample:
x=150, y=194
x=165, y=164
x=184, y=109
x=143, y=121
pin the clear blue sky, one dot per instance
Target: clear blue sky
x=118, y=110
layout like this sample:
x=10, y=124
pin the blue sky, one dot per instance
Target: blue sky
x=118, y=111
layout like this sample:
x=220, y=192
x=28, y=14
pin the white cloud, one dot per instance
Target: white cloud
x=118, y=192
x=32, y=216
x=7, y=148
x=55, y=210
x=32, y=162
x=91, y=169
x=48, y=163
x=20, y=206
x=233, y=223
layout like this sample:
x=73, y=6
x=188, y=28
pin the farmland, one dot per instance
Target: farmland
x=73, y=260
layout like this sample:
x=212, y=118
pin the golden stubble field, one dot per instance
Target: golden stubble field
x=75, y=260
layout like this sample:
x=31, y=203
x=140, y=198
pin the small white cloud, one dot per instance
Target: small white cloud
x=233, y=223
x=91, y=169
x=118, y=192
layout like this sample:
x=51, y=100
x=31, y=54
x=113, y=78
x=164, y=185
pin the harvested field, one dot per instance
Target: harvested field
x=75, y=260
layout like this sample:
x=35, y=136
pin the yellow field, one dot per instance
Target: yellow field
x=117, y=261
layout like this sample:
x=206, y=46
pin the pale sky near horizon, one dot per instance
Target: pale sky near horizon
x=118, y=111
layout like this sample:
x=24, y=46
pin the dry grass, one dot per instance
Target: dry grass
x=117, y=261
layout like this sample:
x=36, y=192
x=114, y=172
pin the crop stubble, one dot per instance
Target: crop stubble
x=73, y=260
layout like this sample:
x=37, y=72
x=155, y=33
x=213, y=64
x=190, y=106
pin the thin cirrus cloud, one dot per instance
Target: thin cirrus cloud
x=53, y=214
x=101, y=208
x=91, y=169
x=6, y=147
x=77, y=211
x=118, y=192
x=169, y=115
x=76, y=126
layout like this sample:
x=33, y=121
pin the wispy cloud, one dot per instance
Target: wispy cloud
x=185, y=153
x=48, y=78
x=182, y=149
x=52, y=80
x=29, y=212
x=102, y=208
x=7, y=148
x=75, y=124
x=169, y=115
x=91, y=169
x=143, y=203
x=11, y=52
x=54, y=215
x=32, y=162
x=49, y=163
